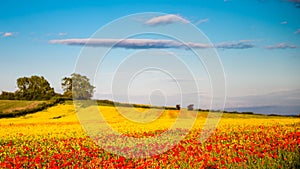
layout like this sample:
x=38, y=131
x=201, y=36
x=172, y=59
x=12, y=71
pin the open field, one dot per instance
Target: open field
x=8, y=106
x=53, y=138
x=16, y=108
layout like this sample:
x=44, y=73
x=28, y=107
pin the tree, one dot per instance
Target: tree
x=7, y=95
x=67, y=86
x=78, y=87
x=34, y=88
x=190, y=107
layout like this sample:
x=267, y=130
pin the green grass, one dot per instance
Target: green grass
x=15, y=108
x=8, y=106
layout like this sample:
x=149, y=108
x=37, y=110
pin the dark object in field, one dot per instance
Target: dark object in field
x=177, y=106
x=190, y=107
x=57, y=117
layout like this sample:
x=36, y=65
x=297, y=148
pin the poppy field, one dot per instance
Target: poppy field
x=54, y=138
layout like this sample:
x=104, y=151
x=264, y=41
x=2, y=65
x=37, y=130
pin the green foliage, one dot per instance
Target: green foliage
x=78, y=87
x=30, y=88
x=67, y=87
x=7, y=95
x=33, y=88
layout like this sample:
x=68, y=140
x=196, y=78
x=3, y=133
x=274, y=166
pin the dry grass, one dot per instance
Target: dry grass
x=8, y=106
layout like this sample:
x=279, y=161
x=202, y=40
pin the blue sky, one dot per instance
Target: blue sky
x=268, y=32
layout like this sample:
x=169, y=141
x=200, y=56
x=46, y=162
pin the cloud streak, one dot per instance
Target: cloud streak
x=242, y=44
x=166, y=19
x=297, y=31
x=150, y=43
x=8, y=34
x=202, y=21
x=281, y=46
x=62, y=34
x=283, y=22
x=129, y=43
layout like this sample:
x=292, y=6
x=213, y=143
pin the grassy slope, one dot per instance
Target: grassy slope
x=7, y=106
x=66, y=112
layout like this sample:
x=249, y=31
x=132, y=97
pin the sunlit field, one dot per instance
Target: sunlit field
x=7, y=106
x=54, y=138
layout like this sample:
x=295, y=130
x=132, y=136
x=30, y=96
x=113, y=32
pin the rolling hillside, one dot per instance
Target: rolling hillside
x=8, y=106
x=14, y=108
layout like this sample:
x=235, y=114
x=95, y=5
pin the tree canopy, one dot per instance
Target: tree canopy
x=7, y=95
x=78, y=87
x=34, y=88
x=38, y=88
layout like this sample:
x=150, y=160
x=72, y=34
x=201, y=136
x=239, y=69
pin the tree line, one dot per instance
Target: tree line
x=38, y=88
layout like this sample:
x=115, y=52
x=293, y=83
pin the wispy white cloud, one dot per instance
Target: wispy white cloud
x=242, y=44
x=62, y=34
x=297, y=31
x=8, y=34
x=129, y=43
x=166, y=19
x=202, y=21
x=166, y=53
x=57, y=34
x=281, y=46
x=185, y=80
x=150, y=43
x=283, y=22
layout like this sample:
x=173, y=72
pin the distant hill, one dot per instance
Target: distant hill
x=280, y=110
